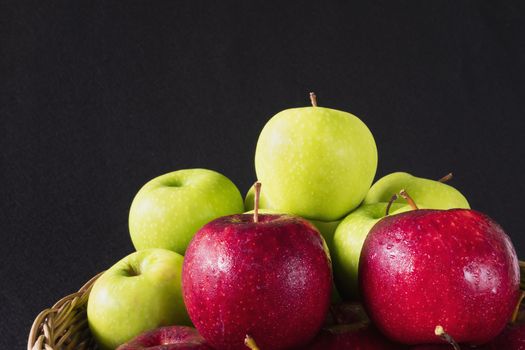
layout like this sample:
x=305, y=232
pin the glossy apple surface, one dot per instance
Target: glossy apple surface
x=348, y=241
x=455, y=268
x=168, y=338
x=139, y=293
x=315, y=162
x=327, y=228
x=168, y=210
x=425, y=192
x=271, y=280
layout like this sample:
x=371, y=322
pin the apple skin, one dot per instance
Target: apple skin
x=271, y=280
x=351, y=233
x=139, y=293
x=455, y=268
x=309, y=157
x=348, y=241
x=356, y=336
x=425, y=192
x=168, y=210
x=168, y=338
x=326, y=228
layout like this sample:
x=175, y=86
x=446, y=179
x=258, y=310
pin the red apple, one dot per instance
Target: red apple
x=168, y=338
x=269, y=279
x=356, y=336
x=455, y=268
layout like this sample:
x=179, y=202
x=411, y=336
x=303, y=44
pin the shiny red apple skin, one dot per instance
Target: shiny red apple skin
x=271, y=280
x=168, y=338
x=455, y=268
x=355, y=336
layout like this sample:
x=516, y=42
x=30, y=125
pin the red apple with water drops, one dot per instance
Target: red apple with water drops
x=455, y=268
x=267, y=276
x=168, y=338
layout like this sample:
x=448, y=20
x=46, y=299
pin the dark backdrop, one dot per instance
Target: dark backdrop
x=100, y=97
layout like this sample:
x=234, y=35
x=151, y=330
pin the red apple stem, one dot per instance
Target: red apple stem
x=257, y=187
x=409, y=199
x=440, y=332
x=313, y=99
x=250, y=343
x=517, y=309
x=390, y=202
x=446, y=178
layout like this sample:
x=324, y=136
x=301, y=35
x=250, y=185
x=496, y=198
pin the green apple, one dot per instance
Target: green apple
x=327, y=228
x=348, y=241
x=170, y=209
x=429, y=193
x=315, y=162
x=140, y=292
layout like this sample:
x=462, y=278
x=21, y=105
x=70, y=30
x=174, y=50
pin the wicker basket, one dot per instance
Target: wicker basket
x=64, y=326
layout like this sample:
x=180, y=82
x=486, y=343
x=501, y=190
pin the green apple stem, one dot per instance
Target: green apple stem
x=250, y=343
x=517, y=309
x=390, y=202
x=409, y=199
x=440, y=332
x=313, y=99
x=446, y=178
x=257, y=187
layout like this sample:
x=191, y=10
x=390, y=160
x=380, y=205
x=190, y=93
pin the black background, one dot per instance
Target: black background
x=100, y=97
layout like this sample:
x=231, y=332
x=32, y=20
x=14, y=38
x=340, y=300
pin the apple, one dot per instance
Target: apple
x=326, y=228
x=426, y=193
x=513, y=336
x=168, y=210
x=447, y=342
x=168, y=338
x=315, y=162
x=348, y=241
x=141, y=292
x=351, y=233
x=355, y=336
x=263, y=275
x=454, y=268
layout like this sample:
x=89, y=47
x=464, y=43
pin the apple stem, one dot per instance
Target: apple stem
x=390, y=202
x=517, y=309
x=440, y=332
x=250, y=343
x=446, y=178
x=409, y=199
x=257, y=187
x=313, y=99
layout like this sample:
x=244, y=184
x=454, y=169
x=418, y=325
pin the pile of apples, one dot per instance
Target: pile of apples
x=316, y=257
